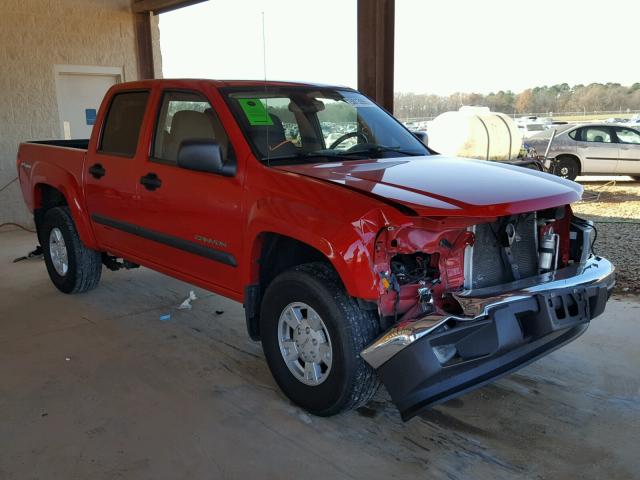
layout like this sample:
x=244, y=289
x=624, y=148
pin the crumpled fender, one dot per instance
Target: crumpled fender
x=349, y=246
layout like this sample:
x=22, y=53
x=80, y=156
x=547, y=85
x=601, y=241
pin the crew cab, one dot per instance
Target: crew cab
x=361, y=259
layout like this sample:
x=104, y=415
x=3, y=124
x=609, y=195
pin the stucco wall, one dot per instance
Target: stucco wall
x=34, y=36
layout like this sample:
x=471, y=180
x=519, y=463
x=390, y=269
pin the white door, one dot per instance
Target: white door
x=79, y=96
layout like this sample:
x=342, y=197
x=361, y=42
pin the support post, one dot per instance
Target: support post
x=144, y=48
x=376, y=22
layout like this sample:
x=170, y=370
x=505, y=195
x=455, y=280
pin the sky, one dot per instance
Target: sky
x=441, y=47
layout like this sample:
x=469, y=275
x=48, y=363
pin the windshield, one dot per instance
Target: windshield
x=307, y=124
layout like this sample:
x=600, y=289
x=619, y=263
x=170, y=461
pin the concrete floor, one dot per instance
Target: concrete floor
x=95, y=386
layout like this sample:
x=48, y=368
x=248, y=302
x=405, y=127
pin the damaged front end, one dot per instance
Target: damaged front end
x=465, y=301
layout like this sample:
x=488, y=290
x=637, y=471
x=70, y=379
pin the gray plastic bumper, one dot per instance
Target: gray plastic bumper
x=432, y=359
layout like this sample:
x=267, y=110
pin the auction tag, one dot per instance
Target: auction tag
x=255, y=111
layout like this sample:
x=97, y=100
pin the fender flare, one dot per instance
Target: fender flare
x=56, y=177
x=350, y=254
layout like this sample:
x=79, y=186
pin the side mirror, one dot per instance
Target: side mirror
x=422, y=136
x=202, y=155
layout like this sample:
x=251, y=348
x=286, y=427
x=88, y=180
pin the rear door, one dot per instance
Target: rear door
x=192, y=219
x=628, y=151
x=111, y=174
x=598, y=150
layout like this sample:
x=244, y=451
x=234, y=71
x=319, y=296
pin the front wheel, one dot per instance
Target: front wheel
x=72, y=267
x=312, y=336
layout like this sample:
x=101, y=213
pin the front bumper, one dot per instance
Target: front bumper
x=432, y=359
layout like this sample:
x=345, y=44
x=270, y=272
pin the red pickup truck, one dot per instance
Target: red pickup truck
x=359, y=255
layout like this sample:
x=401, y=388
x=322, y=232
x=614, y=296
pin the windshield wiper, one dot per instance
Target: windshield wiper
x=372, y=149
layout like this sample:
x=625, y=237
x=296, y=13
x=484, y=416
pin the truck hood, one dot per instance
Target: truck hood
x=445, y=186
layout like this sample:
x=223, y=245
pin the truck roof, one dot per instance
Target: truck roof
x=228, y=83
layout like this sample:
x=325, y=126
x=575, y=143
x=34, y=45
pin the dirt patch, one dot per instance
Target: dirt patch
x=615, y=208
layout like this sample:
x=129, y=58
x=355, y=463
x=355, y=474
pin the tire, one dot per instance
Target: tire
x=567, y=167
x=83, y=266
x=349, y=382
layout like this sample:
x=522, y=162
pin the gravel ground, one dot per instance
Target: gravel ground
x=614, y=206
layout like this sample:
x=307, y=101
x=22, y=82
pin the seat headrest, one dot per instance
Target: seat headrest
x=191, y=124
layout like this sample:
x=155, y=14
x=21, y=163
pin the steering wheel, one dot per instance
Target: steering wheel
x=346, y=136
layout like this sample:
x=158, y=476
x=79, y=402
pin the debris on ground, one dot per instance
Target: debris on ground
x=166, y=317
x=32, y=254
x=186, y=304
x=219, y=312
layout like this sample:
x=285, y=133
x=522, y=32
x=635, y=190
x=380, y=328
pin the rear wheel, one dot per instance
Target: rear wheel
x=312, y=336
x=567, y=167
x=72, y=267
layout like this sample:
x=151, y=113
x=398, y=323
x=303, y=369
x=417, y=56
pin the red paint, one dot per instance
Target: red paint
x=307, y=202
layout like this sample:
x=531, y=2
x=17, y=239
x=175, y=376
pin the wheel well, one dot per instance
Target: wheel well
x=574, y=158
x=277, y=254
x=46, y=198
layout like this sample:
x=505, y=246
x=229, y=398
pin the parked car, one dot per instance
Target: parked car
x=616, y=120
x=530, y=129
x=379, y=262
x=600, y=149
x=634, y=121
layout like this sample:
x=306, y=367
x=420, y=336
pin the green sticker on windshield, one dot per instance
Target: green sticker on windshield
x=255, y=111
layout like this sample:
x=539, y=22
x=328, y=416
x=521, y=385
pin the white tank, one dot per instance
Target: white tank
x=475, y=132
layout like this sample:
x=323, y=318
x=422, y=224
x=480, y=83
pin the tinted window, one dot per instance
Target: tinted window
x=626, y=135
x=574, y=134
x=186, y=116
x=123, y=122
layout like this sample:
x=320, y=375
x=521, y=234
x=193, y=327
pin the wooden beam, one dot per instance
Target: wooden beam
x=376, y=22
x=161, y=6
x=144, y=46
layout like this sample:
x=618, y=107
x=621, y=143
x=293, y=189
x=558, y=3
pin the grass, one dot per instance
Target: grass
x=591, y=116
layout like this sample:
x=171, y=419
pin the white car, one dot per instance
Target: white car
x=634, y=122
x=605, y=149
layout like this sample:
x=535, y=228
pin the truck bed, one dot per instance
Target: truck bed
x=81, y=144
x=61, y=162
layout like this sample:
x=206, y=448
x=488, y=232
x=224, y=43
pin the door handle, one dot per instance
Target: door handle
x=97, y=171
x=151, y=181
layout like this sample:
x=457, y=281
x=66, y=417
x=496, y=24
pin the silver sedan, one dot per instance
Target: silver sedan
x=591, y=149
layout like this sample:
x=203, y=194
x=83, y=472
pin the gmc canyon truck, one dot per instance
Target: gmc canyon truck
x=360, y=256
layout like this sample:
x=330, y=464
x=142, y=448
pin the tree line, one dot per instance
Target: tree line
x=557, y=98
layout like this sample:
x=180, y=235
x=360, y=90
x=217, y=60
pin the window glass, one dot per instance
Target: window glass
x=123, y=122
x=626, y=135
x=186, y=116
x=598, y=135
x=315, y=124
x=280, y=108
x=574, y=134
x=339, y=120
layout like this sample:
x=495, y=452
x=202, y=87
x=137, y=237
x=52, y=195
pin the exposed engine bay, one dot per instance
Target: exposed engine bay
x=421, y=266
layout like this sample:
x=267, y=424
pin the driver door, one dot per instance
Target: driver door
x=192, y=218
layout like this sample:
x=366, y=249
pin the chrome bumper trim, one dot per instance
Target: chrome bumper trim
x=477, y=304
